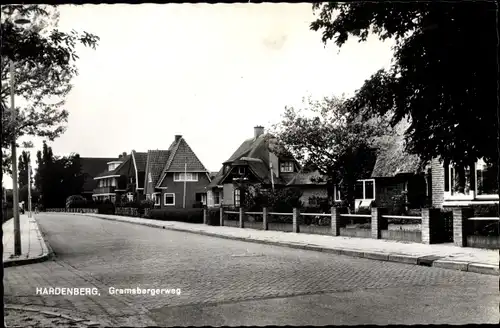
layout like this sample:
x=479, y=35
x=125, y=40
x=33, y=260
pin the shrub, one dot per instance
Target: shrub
x=74, y=201
x=190, y=215
x=106, y=207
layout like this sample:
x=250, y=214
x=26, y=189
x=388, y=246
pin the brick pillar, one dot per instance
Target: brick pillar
x=221, y=217
x=378, y=223
x=335, y=224
x=205, y=216
x=265, y=226
x=460, y=216
x=430, y=225
x=296, y=215
x=242, y=214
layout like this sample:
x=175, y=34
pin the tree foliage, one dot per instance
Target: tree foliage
x=57, y=178
x=444, y=72
x=23, y=165
x=325, y=136
x=44, y=60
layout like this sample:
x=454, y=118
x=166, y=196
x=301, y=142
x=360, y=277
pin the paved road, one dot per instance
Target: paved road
x=226, y=282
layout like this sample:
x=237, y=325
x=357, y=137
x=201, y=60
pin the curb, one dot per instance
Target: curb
x=85, y=322
x=31, y=260
x=428, y=261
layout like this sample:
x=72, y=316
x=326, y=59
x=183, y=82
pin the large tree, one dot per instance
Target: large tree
x=44, y=60
x=444, y=74
x=324, y=135
x=23, y=165
x=57, y=177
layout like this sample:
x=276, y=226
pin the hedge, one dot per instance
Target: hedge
x=190, y=215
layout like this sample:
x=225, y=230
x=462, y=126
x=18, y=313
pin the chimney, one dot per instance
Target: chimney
x=178, y=137
x=258, y=131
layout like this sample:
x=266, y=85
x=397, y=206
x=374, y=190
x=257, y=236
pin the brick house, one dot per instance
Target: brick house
x=257, y=161
x=176, y=178
x=120, y=177
x=395, y=173
x=92, y=167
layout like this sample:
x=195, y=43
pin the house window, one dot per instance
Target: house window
x=286, y=167
x=468, y=182
x=169, y=199
x=150, y=180
x=113, y=182
x=185, y=176
x=486, y=178
x=157, y=199
x=216, y=198
x=237, y=196
x=365, y=189
x=130, y=197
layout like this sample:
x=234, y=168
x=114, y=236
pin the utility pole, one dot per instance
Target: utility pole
x=30, y=213
x=15, y=187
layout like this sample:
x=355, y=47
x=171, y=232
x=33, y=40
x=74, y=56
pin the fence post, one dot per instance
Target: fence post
x=242, y=214
x=264, y=219
x=378, y=223
x=295, y=225
x=205, y=216
x=460, y=224
x=221, y=217
x=335, y=223
x=430, y=218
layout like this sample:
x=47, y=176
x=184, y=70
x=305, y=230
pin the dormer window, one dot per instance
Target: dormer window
x=286, y=167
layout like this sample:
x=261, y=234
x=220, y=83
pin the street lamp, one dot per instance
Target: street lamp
x=15, y=187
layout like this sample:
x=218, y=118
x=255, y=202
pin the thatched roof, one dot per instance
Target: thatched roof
x=392, y=159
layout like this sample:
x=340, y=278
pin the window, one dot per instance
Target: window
x=216, y=198
x=486, y=178
x=365, y=189
x=169, y=199
x=157, y=199
x=186, y=176
x=237, y=196
x=113, y=182
x=130, y=197
x=479, y=180
x=150, y=180
x=241, y=170
x=286, y=167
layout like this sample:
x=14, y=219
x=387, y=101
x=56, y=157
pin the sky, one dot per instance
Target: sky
x=208, y=72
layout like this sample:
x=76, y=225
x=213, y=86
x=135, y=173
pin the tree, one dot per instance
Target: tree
x=326, y=136
x=23, y=165
x=44, y=60
x=57, y=178
x=444, y=72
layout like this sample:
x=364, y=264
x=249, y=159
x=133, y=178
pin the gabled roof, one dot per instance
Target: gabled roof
x=91, y=167
x=119, y=170
x=392, y=159
x=156, y=160
x=306, y=178
x=181, y=158
x=141, y=159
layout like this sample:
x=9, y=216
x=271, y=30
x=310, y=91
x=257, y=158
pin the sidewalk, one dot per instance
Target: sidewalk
x=445, y=256
x=33, y=247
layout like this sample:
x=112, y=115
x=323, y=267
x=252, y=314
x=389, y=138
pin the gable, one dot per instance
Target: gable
x=185, y=158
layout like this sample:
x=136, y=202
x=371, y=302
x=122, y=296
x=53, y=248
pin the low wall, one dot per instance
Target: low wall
x=253, y=225
x=356, y=232
x=402, y=235
x=489, y=242
x=72, y=210
x=315, y=229
x=277, y=226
